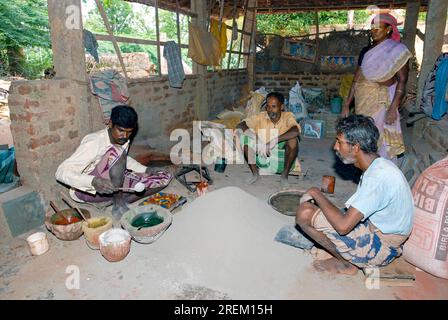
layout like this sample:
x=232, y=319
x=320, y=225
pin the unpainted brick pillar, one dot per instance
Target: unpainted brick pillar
x=201, y=102
x=66, y=39
x=69, y=56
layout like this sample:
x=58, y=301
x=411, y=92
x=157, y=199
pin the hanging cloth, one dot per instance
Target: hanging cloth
x=91, y=44
x=203, y=47
x=176, y=74
x=221, y=36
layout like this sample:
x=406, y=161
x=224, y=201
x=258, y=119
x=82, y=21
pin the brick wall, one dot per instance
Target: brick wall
x=50, y=117
x=46, y=126
x=224, y=88
x=162, y=109
x=283, y=82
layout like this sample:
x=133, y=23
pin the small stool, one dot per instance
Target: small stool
x=181, y=176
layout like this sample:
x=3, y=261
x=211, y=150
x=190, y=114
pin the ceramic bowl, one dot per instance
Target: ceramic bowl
x=147, y=223
x=115, y=244
x=93, y=228
x=68, y=232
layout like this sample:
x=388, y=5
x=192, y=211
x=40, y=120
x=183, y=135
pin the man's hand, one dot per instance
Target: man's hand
x=309, y=195
x=103, y=186
x=345, y=110
x=262, y=149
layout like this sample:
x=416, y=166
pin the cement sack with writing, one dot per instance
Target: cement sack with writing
x=297, y=103
x=427, y=246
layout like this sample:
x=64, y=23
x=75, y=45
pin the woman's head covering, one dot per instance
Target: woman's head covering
x=390, y=20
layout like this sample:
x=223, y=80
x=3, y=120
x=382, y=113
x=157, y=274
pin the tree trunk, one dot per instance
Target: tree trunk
x=16, y=60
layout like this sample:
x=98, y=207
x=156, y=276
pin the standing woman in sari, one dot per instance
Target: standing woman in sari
x=379, y=84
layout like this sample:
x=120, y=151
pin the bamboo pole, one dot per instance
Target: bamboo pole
x=241, y=40
x=111, y=34
x=178, y=27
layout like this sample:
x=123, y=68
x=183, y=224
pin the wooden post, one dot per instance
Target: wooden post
x=317, y=34
x=199, y=7
x=242, y=36
x=114, y=41
x=156, y=8
x=410, y=24
x=434, y=34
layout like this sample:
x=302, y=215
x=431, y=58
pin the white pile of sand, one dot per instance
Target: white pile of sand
x=224, y=241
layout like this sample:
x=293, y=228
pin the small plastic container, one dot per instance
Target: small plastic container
x=336, y=105
x=220, y=165
x=38, y=243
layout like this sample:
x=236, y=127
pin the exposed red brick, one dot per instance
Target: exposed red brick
x=25, y=89
x=68, y=99
x=30, y=104
x=73, y=134
x=42, y=141
x=70, y=111
x=64, y=84
x=55, y=125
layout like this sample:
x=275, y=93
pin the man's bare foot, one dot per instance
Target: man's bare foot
x=335, y=265
x=118, y=209
x=252, y=179
x=284, y=182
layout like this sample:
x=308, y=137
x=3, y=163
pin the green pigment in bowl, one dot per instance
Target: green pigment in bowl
x=146, y=219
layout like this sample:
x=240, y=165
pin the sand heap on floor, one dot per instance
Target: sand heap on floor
x=225, y=239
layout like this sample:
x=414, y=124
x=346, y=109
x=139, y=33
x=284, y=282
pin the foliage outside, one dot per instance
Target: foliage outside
x=24, y=38
x=293, y=24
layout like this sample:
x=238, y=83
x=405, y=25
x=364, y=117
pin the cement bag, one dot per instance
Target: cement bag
x=297, y=103
x=203, y=47
x=427, y=247
x=253, y=106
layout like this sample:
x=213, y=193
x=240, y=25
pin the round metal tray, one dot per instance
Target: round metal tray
x=286, y=201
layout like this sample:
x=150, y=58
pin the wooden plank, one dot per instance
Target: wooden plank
x=231, y=37
x=166, y=6
x=111, y=34
x=106, y=37
x=397, y=273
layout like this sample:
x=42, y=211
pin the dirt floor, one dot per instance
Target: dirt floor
x=204, y=255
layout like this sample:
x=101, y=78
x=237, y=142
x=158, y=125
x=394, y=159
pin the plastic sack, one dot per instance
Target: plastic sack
x=203, y=47
x=253, y=106
x=297, y=103
x=314, y=97
x=427, y=246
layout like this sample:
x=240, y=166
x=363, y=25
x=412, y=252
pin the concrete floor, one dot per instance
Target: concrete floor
x=175, y=267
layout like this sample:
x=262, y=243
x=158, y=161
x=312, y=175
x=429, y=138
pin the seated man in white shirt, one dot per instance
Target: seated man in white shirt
x=100, y=166
x=378, y=217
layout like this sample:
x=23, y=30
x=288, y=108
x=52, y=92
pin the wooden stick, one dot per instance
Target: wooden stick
x=77, y=210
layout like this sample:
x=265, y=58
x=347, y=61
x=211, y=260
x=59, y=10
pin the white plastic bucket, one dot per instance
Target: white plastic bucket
x=38, y=243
